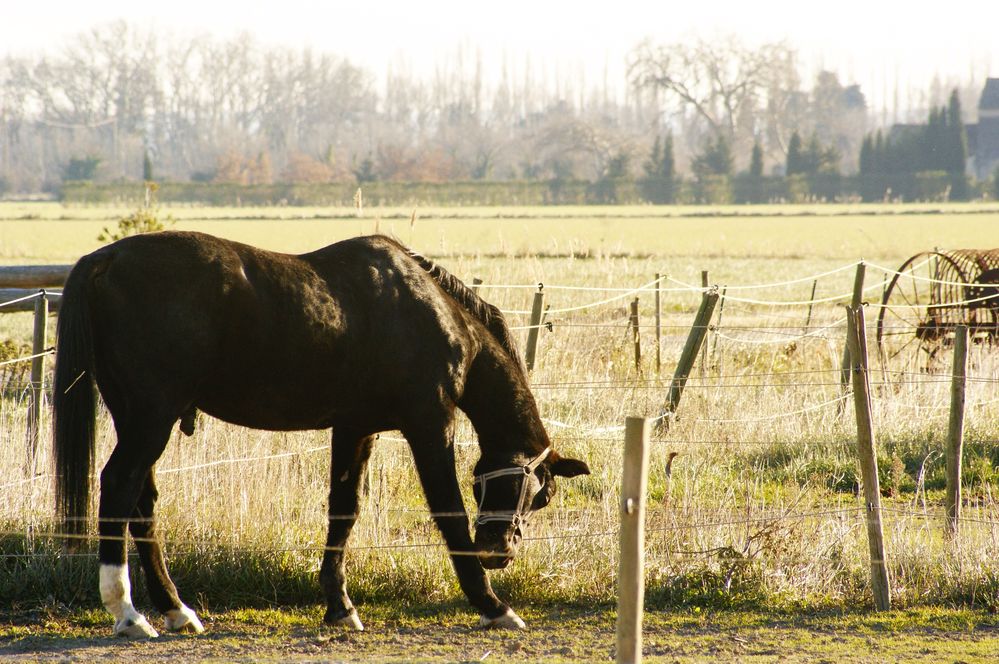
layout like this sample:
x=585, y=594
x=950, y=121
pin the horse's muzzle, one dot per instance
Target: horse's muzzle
x=497, y=549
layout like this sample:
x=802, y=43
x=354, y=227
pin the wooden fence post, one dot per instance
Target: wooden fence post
x=721, y=312
x=688, y=355
x=631, y=564
x=476, y=282
x=532, y=332
x=636, y=337
x=955, y=429
x=38, y=344
x=811, y=304
x=858, y=296
x=704, y=348
x=857, y=344
x=659, y=324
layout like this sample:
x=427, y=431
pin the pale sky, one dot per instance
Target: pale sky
x=865, y=41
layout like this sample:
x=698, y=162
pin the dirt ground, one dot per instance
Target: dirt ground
x=553, y=635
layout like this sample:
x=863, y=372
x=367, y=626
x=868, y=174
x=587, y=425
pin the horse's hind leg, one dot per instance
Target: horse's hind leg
x=350, y=458
x=122, y=482
x=178, y=616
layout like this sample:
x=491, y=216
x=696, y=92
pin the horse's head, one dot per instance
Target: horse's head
x=507, y=493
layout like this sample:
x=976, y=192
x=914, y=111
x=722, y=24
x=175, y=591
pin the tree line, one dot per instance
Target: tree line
x=118, y=103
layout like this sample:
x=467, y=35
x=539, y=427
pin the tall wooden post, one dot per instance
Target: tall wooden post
x=532, y=332
x=631, y=564
x=704, y=348
x=689, y=354
x=811, y=304
x=476, y=283
x=858, y=296
x=38, y=345
x=636, y=338
x=721, y=312
x=955, y=429
x=857, y=344
x=659, y=324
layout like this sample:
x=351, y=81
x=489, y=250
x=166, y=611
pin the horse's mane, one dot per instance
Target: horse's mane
x=488, y=314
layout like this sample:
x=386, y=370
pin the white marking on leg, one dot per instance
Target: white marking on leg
x=116, y=593
x=183, y=619
x=508, y=620
x=351, y=621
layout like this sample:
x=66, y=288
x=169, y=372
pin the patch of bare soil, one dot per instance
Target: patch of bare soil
x=554, y=636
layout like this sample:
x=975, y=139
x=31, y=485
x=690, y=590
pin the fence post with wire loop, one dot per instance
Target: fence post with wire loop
x=636, y=338
x=955, y=429
x=718, y=322
x=659, y=323
x=690, y=349
x=704, y=348
x=811, y=305
x=38, y=345
x=631, y=563
x=858, y=297
x=857, y=344
x=535, y=328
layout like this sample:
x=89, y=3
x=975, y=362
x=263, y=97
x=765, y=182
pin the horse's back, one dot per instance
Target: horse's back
x=273, y=340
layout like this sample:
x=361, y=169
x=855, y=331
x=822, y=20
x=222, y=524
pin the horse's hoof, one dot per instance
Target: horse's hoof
x=136, y=627
x=350, y=620
x=507, y=620
x=183, y=620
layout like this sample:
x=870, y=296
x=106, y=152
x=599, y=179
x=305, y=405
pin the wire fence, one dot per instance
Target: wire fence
x=676, y=523
x=784, y=334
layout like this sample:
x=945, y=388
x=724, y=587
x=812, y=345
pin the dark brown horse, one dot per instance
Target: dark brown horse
x=360, y=337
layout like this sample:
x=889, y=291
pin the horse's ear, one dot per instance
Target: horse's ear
x=564, y=467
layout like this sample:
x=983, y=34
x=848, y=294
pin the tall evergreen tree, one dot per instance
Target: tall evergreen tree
x=716, y=159
x=660, y=171
x=147, y=167
x=667, y=162
x=651, y=166
x=756, y=161
x=957, y=149
x=795, y=161
x=879, y=162
x=957, y=140
x=866, y=165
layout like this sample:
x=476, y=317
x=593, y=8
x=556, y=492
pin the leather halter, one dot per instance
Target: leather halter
x=519, y=515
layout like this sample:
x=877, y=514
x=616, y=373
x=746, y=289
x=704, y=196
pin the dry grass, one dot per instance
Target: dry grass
x=760, y=507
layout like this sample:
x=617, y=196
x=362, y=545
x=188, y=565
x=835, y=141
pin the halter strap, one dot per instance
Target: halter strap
x=519, y=514
x=531, y=466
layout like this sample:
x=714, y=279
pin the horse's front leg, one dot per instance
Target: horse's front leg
x=434, y=457
x=350, y=458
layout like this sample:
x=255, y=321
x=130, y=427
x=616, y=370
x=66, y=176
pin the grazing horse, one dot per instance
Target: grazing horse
x=360, y=337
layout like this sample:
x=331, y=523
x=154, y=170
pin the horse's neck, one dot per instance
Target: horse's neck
x=500, y=405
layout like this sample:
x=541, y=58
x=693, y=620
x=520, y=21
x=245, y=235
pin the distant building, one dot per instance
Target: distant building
x=983, y=138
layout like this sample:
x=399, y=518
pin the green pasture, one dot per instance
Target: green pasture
x=51, y=232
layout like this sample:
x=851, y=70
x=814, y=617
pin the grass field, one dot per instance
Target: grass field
x=759, y=512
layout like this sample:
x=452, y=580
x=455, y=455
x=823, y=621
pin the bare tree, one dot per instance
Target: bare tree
x=724, y=82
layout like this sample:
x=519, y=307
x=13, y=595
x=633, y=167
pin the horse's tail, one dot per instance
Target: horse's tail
x=489, y=314
x=74, y=402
